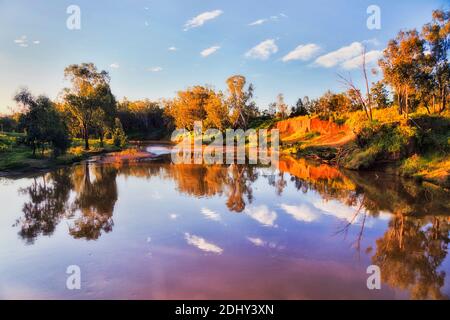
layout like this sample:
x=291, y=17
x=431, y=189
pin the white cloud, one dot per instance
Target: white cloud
x=209, y=214
x=257, y=22
x=302, y=52
x=155, y=69
x=371, y=57
x=22, y=39
x=209, y=51
x=301, y=213
x=374, y=41
x=257, y=241
x=263, y=50
x=337, y=209
x=173, y=216
x=172, y=48
x=114, y=65
x=263, y=215
x=271, y=18
x=202, y=244
x=341, y=55
x=201, y=19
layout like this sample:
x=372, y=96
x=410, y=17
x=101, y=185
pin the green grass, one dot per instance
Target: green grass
x=418, y=147
x=12, y=154
x=16, y=156
x=433, y=167
x=263, y=123
x=377, y=142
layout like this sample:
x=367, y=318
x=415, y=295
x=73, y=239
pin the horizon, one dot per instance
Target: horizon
x=156, y=51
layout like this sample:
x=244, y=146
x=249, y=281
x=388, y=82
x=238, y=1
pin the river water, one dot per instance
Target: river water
x=156, y=230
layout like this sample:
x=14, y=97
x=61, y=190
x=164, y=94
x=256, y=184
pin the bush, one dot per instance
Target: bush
x=411, y=165
x=389, y=142
x=119, y=136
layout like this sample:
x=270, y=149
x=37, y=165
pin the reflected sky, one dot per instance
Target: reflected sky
x=154, y=230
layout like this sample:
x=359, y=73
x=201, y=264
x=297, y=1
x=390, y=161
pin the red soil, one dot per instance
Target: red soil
x=331, y=133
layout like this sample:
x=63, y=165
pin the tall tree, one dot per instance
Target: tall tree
x=299, y=109
x=282, y=106
x=89, y=100
x=217, y=112
x=240, y=101
x=189, y=106
x=402, y=63
x=42, y=123
x=380, y=95
x=437, y=34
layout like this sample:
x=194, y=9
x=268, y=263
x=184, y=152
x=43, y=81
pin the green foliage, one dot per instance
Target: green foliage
x=8, y=123
x=89, y=102
x=300, y=109
x=144, y=119
x=432, y=166
x=394, y=141
x=263, y=123
x=42, y=124
x=12, y=153
x=434, y=134
x=119, y=137
x=412, y=165
x=380, y=95
x=18, y=156
x=383, y=142
x=362, y=159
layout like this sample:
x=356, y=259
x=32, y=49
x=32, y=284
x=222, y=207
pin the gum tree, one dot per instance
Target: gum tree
x=89, y=101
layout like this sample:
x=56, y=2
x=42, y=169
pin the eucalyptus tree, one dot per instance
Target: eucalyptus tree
x=90, y=100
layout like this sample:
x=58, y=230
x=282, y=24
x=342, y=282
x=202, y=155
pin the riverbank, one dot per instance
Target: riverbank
x=417, y=147
x=17, y=159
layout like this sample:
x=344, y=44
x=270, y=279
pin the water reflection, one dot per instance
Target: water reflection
x=90, y=212
x=95, y=199
x=47, y=205
x=410, y=253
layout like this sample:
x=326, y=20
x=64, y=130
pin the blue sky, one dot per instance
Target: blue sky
x=149, y=53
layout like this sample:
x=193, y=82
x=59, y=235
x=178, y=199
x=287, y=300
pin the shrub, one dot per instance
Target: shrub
x=119, y=136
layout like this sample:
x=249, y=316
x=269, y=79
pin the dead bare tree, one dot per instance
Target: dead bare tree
x=365, y=101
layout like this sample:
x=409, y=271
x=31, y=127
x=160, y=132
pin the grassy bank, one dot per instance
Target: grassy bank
x=17, y=157
x=416, y=147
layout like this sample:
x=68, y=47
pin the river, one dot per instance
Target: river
x=157, y=230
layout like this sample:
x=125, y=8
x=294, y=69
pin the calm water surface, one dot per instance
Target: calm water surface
x=155, y=230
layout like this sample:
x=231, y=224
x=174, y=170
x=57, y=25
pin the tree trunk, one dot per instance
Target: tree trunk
x=101, y=138
x=86, y=138
x=399, y=98
x=407, y=103
x=434, y=103
x=444, y=99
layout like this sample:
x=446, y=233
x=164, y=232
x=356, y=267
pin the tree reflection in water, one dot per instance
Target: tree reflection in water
x=410, y=253
x=96, y=197
x=48, y=204
x=91, y=211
